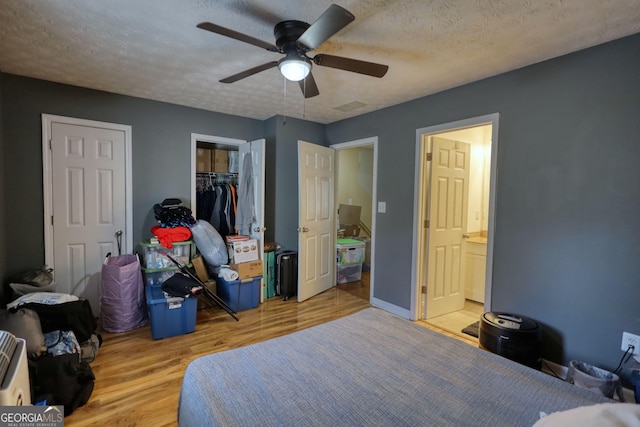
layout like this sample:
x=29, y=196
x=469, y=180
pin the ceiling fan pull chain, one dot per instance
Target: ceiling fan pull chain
x=284, y=91
x=304, y=100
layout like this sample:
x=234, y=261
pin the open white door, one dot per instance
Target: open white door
x=316, y=223
x=256, y=150
x=448, y=197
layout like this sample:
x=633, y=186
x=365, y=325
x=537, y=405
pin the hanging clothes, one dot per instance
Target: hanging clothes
x=216, y=203
x=246, y=206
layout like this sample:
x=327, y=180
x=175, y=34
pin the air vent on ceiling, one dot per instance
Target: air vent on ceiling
x=349, y=106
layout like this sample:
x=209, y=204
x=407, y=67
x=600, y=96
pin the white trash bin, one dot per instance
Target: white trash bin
x=593, y=378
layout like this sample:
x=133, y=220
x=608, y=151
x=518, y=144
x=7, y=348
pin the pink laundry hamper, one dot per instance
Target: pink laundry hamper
x=123, y=304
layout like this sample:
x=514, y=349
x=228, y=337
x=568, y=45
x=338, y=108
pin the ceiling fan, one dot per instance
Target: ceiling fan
x=295, y=39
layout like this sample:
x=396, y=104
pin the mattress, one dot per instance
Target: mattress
x=369, y=368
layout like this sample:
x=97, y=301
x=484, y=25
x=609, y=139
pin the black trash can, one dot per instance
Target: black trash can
x=512, y=336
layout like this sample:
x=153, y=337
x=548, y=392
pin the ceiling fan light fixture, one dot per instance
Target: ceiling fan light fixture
x=294, y=67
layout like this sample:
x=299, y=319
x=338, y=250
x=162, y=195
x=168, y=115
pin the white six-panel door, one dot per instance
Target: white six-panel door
x=448, y=197
x=88, y=194
x=256, y=149
x=316, y=224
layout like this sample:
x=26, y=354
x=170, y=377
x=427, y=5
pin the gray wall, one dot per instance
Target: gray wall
x=287, y=133
x=567, y=234
x=161, y=156
x=161, y=153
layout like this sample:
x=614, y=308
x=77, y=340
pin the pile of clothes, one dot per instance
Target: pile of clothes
x=175, y=220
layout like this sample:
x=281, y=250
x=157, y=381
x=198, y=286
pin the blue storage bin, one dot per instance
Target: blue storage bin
x=170, y=316
x=239, y=294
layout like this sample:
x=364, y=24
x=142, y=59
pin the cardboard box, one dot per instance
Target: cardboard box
x=203, y=160
x=249, y=269
x=201, y=269
x=349, y=214
x=243, y=251
x=220, y=160
x=203, y=302
x=349, y=230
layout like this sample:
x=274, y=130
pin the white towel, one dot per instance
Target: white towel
x=227, y=274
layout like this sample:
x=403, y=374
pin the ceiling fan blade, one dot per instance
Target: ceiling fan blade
x=330, y=22
x=236, y=35
x=353, y=65
x=260, y=14
x=250, y=72
x=309, y=87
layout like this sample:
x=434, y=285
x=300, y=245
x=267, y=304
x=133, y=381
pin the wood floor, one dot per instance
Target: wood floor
x=138, y=379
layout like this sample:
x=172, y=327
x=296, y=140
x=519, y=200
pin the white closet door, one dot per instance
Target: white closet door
x=256, y=149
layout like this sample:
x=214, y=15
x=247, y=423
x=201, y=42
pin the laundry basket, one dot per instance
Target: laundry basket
x=122, y=301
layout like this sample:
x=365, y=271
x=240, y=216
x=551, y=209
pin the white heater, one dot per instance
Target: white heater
x=14, y=371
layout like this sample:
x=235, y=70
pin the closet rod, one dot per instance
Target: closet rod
x=230, y=174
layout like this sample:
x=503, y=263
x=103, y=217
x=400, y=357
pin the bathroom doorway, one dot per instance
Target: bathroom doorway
x=453, y=280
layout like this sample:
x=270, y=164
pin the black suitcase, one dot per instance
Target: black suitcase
x=287, y=274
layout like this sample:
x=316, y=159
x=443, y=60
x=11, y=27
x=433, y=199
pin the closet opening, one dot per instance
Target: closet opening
x=227, y=191
x=216, y=186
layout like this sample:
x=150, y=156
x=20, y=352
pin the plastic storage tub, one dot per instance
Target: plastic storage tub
x=154, y=255
x=239, y=294
x=349, y=273
x=350, y=254
x=350, y=251
x=170, y=316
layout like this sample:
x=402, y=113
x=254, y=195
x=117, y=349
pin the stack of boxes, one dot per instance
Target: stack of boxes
x=243, y=293
x=169, y=316
x=216, y=160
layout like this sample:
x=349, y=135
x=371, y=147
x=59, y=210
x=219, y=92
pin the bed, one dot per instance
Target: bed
x=369, y=368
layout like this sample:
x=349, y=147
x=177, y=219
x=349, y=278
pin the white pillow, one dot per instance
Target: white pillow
x=600, y=415
x=42, y=298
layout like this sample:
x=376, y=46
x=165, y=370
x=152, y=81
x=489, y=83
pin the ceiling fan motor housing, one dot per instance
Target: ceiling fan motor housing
x=287, y=34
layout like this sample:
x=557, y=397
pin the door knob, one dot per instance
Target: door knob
x=465, y=236
x=303, y=229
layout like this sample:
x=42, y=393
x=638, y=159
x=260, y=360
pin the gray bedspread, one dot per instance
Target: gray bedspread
x=368, y=369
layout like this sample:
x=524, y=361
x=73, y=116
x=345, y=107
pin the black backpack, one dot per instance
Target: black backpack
x=61, y=380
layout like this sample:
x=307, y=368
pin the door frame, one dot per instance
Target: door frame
x=47, y=178
x=422, y=169
x=222, y=141
x=365, y=142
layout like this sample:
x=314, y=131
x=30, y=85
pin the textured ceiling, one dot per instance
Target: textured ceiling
x=152, y=48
